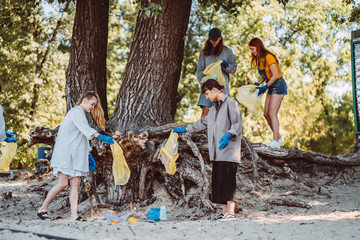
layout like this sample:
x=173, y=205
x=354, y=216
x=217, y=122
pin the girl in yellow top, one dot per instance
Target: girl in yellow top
x=269, y=70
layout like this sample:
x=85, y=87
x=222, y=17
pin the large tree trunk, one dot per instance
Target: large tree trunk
x=147, y=96
x=87, y=67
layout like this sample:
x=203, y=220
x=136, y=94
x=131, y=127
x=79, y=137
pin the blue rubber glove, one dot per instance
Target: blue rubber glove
x=9, y=134
x=224, y=141
x=11, y=139
x=180, y=130
x=105, y=138
x=262, y=89
x=257, y=84
x=92, y=163
x=224, y=64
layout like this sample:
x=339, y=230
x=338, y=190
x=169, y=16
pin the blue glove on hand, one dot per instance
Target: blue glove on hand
x=262, y=89
x=224, y=141
x=257, y=84
x=92, y=163
x=180, y=130
x=105, y=138
x=9, y=134
x=224, y=64
x=11, y=139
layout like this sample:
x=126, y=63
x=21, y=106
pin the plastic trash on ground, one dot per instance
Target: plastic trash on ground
x=248, y=96
x=213, y=71
x=123, y=218
x=156, y=214
x=7, y=154
x=169, y=153
x=133, y=220
x=121, y=171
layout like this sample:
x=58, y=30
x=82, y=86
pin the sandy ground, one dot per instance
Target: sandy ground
x=334, y=215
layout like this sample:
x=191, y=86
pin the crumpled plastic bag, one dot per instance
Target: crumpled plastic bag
x=248, y=96
x=121, y=171
x=169, y=153
x=7, y=154
x=213, y=71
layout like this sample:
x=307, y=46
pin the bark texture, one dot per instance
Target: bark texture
x=87, y=66
x=147, y=96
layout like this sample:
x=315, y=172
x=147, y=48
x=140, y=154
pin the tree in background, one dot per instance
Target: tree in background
x=32, y=69
x=289, y=30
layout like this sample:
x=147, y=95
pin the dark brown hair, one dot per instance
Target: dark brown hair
x=261, y=52
x=209, y=85
x=98, y=112
x=1, y=88
x=217, y=50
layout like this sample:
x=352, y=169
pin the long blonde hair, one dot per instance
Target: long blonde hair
x=98, y=112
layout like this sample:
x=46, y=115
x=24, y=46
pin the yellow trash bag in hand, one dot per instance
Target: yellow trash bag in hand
x=7, y=154
x=169, y=153
x=121, y=171
x=248, y=96
x=213, y=71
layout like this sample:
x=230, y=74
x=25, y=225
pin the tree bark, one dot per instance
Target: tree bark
x=147, y=96
x=87, y=66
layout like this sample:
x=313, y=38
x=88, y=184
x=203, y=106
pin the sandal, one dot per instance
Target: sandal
x=80, y=219
x=43, y=215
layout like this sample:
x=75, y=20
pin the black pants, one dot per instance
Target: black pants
x=223, y=182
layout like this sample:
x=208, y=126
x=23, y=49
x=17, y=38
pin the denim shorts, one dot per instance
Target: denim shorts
x=203, y=102
x=279, y=87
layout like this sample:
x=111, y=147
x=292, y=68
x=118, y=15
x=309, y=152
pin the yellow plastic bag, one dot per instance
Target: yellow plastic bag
x=169, y=153
x=121, y=171
x=213, y=71
x=248, y=96
x=8, y=153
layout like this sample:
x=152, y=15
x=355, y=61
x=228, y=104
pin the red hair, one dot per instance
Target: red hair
x=261, y=52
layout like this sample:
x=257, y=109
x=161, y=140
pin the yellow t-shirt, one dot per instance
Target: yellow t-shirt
x=270, y=59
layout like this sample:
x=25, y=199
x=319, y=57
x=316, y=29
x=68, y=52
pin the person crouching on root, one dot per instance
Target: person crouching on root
x=224, y=131
x=70, y=158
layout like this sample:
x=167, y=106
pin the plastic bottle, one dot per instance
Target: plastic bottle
x=163, y=213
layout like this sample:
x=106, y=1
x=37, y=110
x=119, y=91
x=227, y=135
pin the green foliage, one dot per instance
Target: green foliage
x=122, y=22
x=33, y=72
x=314, y=56
x=306, y=36
x=148, y=9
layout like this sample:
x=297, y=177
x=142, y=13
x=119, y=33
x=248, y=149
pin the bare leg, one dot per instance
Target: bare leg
x=205, y=111
x=73, y=196
x=267, y=109
x=231, y=207
x=275, y=104
x=224, y=208
x=61, y=185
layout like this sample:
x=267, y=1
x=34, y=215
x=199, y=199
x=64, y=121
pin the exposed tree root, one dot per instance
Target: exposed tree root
x=274, y=172
x=290, y=202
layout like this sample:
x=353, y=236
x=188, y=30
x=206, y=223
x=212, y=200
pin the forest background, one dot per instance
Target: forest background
x=310, y=38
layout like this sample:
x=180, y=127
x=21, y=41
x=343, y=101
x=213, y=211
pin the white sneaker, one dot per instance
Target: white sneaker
x=281, y=142
x=228, y=217
x=273, y=144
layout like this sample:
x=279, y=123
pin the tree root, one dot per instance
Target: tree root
x=262, y=168
x=289, y=202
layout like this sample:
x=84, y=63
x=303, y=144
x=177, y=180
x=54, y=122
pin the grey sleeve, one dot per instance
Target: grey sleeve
x=2, y=125
x=200, y=67
x=198, y=126
x=231, y=61
x=235, y=119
